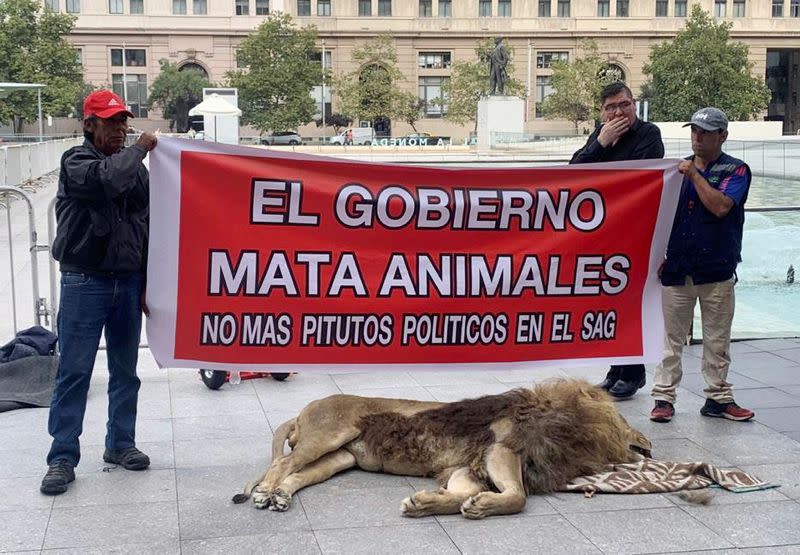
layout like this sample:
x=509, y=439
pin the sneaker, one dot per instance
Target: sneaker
x=59, y=474
x=662, y=412
x=731, y=411
x=130, y=458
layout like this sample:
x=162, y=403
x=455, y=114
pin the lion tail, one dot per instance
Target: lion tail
x=282, y=433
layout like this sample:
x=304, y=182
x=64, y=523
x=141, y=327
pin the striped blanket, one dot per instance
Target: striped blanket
x=652, y=476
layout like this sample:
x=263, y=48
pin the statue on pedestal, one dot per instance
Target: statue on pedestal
x=498, y=59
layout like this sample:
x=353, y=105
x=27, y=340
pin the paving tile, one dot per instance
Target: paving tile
x=165, y=547
x=223, y=452
x=787, y=475
x=765, y=398
x=292, y=396
x=454, y=377
x=221, y=482
x=214, y=517
x=449, y=393
x=359, y=479
x=791, y=354
x=780, y=419
x=528, y=376
x=724, y=497
x=212, y=405
x=418, y=393
x=22, y=494
x=289, y=543
x=220, y=427
x=793, y=390
x=348, y=508
x=147, y=430
x=534, y=534
x=23, y=462
x=106, y=526
x=773, y=345
x=777, y=550
x=762, y=524
x=681, y=450
x=646, y=531
x=752, y=449
x=352, y=383
x=22, y=437
x=386, y=540
x=118, y=486
x=568, y=502
x=23, y=530
x=793, y=435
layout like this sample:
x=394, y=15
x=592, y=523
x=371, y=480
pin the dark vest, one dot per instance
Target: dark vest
x=701, y=245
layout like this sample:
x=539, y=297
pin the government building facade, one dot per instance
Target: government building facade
x=122, y=41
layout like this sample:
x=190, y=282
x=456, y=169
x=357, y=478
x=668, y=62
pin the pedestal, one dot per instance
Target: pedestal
x=499, y=114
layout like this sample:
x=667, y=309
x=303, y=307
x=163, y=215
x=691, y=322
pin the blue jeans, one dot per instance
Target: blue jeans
x=88, y=305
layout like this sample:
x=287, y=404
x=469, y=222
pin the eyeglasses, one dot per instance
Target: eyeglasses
x=610, y=108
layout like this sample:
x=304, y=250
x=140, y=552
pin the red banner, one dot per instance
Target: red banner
x=302, y=260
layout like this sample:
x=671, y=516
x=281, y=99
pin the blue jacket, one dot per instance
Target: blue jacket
x=701, y=245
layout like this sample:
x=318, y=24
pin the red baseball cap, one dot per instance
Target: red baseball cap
x=104, y=104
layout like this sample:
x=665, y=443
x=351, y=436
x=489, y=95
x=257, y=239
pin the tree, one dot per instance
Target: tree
x=336, y=120
x=279, y=73
x=577, y=85
x=33, y=49
x=411, y=107
x=701, y=67
x=469, y=82
x=175, y=92
x=372, y=91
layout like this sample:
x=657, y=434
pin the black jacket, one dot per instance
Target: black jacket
x=641, y=142
x=102, y=210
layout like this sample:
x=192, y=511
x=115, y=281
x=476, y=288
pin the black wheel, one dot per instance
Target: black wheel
x=214, y=379
x=280, y=376
x=293, y=142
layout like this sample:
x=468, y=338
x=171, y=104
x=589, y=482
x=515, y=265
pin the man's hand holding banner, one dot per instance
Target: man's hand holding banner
x=265, y=260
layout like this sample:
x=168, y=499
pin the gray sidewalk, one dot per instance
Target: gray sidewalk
x=205, y=445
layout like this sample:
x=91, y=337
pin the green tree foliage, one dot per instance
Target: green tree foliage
x=411, y=107
x=175, y=92
x=469, y=82
x=577, y=85
x=701, y=67
x=336, y=120
x=279, y=71
x=372, y=90
x=33, y=49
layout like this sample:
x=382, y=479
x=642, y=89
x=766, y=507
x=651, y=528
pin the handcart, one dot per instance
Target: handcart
x=214, y=379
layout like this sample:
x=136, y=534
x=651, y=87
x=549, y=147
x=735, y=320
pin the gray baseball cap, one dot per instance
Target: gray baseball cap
x=710, y=119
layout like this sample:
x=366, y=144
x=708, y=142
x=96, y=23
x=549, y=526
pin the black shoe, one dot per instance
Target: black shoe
x=611, y=378
x=59, y=474
x=730, y=410
x=626, y=390
x=130, y=458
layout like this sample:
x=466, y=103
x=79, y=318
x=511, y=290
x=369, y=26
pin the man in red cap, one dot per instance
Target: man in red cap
x=102, y=210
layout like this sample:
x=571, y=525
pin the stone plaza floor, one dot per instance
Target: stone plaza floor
x=205, y=445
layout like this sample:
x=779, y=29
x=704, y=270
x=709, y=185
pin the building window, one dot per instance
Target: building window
x=116, y=6
x=662, y=8
x=200, y=7
x=134, y=91
x=445, y=8
x=777, y=8
x=680, y=8
x=262, y=7
x=303, y=7
x=317, y=57
x=485, y=8
x=794, y=8
x=323, y=8
x=720, y=8
x=545, y=59
x=242, y=7
x=79, y=56
x=623, y=8
x=603, y=8
x=563, y=8
x=425, y=8
x=364, y=8
x=385, y=8
x=544, y=8
x=179, y=7
x=137, y=6
x=73, y=6
x=503, y=8
x=134, y=57
x=52, y=5
x=434, y=60
x=430, y=89
x=543, y=90
x=738, y=8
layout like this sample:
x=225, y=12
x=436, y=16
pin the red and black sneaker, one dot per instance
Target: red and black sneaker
x=731, y=411
x=662, y=412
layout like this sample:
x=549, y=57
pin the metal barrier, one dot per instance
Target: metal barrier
x=41, y=311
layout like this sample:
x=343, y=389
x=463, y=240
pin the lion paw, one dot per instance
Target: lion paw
x=409, y=508
x=471, y=508
x=279, y=501
x=261, y=500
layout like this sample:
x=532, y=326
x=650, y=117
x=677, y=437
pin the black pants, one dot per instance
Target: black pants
x=632, y=373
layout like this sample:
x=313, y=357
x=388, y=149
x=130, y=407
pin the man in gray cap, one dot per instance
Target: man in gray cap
x=703, y=251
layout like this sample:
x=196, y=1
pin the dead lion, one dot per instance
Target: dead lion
x=488, y=453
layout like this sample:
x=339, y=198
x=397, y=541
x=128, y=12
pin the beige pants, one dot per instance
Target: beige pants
x=716, y=310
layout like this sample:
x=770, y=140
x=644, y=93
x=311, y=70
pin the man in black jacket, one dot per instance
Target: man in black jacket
x=623, y=136
x=102, y=210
